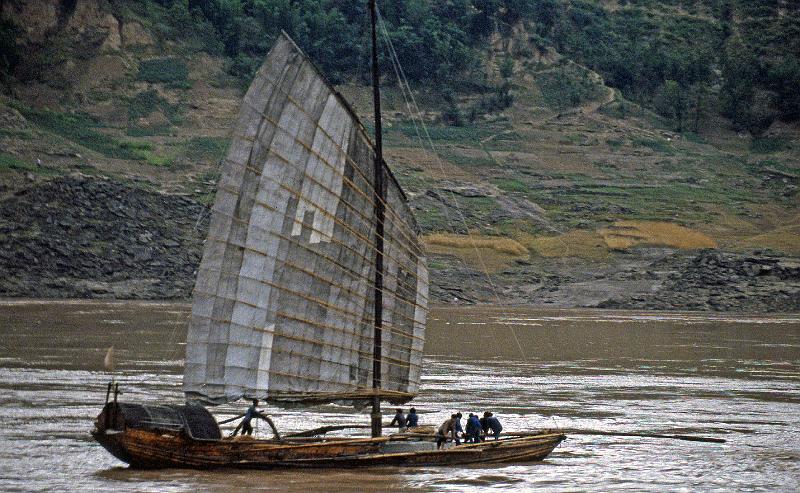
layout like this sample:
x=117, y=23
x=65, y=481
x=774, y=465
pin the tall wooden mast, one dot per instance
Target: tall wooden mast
x=379, y=199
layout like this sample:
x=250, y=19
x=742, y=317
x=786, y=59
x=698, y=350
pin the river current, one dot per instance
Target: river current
x=735, y=377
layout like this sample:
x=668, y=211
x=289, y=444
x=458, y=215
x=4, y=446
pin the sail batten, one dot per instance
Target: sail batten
x=283, y=303
x=408, y=234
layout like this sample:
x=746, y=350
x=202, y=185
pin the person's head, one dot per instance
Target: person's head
x=453, y=416
x=458, y=415
x=471, y=415
x=487, y=414
x=255, y=402
x=399, y=411
x=413, y=410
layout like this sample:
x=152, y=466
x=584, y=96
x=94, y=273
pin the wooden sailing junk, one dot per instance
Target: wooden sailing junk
x=312, y=289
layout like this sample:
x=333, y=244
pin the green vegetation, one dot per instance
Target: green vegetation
x=9, y=53
x=171, y=71
x=492, y=136
x=18, y=134
x=510, y=185
x=144, y=151
x=766, y=145
x=8, y=161
x=671, y=64
x=146, y=102
x=207, y=148
x=567, y=87
x=467, y=161
x=150, y=131
x=660, y=54
x=658, y=145
x=81, y=129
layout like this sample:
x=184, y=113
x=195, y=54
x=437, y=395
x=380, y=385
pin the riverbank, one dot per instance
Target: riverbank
x=88, y=237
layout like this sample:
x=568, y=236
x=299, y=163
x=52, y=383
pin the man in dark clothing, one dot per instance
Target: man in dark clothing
x=473, y=429
x=252, y=413
x=412, y=419
x=399, y=420
x=458, y=428
x=489, y=422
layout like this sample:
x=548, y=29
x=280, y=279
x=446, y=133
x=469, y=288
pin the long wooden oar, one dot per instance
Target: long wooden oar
x=230, y=419
x=577, y=431
x=323, y=430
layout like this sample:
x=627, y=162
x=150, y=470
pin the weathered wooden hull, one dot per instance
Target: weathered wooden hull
x=154, y=449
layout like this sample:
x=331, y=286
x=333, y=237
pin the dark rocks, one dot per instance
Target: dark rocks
x=639, y=279
x=723, y=281
x=86, y=237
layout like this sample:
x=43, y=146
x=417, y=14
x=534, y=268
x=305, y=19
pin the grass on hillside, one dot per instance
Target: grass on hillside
x=628, y=234
x=621, y=235
x=171, y=71
x=500, y=245
x=785, y=240
x=480, y=252
x=498, y=136
x=577, y=243
x=768, y=145
x=567, y=87
x=83, y=130
x=146, y=102
x=211, y=149
x=9, y=162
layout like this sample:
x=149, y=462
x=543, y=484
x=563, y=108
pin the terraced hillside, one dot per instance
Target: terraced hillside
x=554, y=176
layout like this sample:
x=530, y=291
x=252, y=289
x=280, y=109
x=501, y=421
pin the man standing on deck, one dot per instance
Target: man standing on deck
x=399, y=420
x=412, y=420
x=253, y=412
x=489, y=422
x=448, y=427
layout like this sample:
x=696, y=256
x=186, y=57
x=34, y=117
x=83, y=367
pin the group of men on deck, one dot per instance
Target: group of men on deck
x=476, y=431
x=477, y=428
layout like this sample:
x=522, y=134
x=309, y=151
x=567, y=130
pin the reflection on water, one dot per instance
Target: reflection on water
x=735, y=377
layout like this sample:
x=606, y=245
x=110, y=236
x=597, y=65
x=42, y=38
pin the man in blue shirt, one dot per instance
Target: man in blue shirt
x=412, y=419
x=458, y=428
x=473, y=429
x=489, y=422
x=252, y=413
x=399, y=420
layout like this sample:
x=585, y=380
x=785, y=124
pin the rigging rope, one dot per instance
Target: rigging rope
x=416, y=113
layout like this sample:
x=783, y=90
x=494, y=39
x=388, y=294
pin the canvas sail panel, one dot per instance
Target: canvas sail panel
x=284, y=299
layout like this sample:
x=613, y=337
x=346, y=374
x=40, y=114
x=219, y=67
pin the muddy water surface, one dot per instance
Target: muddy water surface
x=735, y=377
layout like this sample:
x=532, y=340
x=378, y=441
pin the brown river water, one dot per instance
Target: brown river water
x=735, y=377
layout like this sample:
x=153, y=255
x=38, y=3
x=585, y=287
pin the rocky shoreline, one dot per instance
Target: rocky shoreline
x=87, y=237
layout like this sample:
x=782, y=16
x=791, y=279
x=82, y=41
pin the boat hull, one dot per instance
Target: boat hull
x=153, y=449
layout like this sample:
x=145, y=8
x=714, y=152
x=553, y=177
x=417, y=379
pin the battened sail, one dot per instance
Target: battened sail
x=283, y=302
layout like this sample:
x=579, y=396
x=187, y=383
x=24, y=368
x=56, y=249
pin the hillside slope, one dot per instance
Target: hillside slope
x=595, y=191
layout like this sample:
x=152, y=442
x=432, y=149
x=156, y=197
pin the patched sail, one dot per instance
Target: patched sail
x=283, y=302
